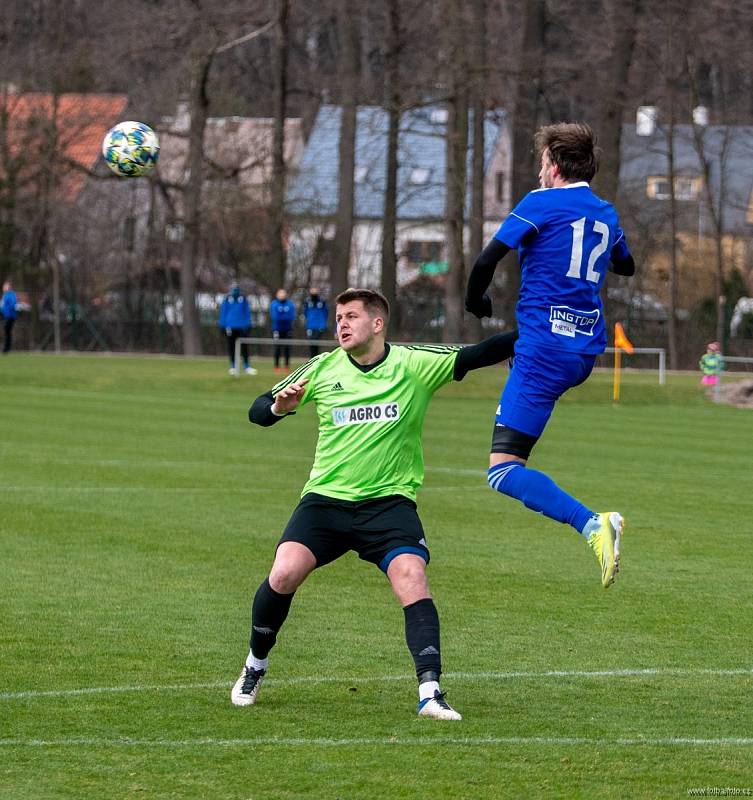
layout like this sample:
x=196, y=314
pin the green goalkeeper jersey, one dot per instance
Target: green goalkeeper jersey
x=371, y=418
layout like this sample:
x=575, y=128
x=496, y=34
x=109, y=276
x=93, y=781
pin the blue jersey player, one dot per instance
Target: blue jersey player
x=566, y=238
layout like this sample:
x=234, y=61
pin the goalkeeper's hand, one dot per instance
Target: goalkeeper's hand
x=479, y=306
x=228, y=331
x=288, y=399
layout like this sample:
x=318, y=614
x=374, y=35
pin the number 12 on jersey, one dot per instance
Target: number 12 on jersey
x=576, y=254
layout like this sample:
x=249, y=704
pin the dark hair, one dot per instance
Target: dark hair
x=572, y=147
x=374, y=302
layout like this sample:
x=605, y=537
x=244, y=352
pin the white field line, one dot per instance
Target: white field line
x=649, y=672
x=420, y=741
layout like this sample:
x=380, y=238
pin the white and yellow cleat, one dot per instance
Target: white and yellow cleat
x=605, y=542
x=437, y=708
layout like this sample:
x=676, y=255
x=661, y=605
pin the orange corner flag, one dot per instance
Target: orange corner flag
x=621, y=341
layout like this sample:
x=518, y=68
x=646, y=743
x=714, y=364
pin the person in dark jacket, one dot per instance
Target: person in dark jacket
x=9, y=303
x=282, y=317
x=235, y=321
x=315, y=312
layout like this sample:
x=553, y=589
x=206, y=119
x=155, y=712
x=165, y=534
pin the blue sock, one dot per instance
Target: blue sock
x=539, y=492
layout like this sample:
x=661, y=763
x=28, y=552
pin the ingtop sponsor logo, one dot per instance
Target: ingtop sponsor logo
x=568, y=321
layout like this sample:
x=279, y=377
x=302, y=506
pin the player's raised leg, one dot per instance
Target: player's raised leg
x=293, y=563
x=407, y=574
x=535, y=384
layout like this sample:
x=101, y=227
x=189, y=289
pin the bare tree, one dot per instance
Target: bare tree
x=478, y=48
x=529, y=88
x=456, y=170
x=198, y=104
x=622, y=17
x=347, y=19
x=277, y=210
x=392, y=102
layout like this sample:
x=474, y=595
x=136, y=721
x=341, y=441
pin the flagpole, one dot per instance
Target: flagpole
x=616, y=383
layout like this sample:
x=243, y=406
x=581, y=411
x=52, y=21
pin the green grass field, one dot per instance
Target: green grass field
x=139, y=511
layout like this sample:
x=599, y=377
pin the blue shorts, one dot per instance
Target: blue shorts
x=535, y=384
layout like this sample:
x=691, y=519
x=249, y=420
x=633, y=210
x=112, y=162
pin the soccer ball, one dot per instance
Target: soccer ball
x=130, y=149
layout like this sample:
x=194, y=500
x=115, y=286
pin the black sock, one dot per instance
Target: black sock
x=268, y=612
x=422, y=636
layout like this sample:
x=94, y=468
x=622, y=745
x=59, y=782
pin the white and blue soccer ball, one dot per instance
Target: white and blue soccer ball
x=131, y=149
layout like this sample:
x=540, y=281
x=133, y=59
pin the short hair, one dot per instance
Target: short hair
x=572, y=147
x=374, y=302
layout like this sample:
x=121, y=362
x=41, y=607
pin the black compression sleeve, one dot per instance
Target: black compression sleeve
x=483, y=270
x=260, y=412
x=624, y=266
x=490, y=351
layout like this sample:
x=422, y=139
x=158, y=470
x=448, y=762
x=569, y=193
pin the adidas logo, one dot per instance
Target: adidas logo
x=429, y=651
x=338, y=387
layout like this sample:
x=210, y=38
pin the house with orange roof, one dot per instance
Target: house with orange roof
x=60, y=135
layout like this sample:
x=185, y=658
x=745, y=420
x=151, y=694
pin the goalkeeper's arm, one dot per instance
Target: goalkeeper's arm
x=490, y=351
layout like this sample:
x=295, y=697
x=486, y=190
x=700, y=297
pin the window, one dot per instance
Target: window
x=174, y=232
x=500, y=187
x=360, y=173
x=419, y=176
x=439, y=116
x=686, y=187
x=419, y=252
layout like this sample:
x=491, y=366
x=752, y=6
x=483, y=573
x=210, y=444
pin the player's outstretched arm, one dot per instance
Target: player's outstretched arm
x=268, y=409
x=476, y=299
x=484, y=354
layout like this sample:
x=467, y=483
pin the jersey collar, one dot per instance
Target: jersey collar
x=369, y=367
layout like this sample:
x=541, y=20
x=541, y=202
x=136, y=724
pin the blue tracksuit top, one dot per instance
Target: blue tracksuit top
x=282, y=315
x=315, y=313
x=9, y=304
x=235, y=312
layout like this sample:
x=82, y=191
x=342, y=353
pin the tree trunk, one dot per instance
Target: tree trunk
x=714, y=206
x=198, y=110
x=277, y=200
x=672, y=322
x=456, y=151
x=623, y=19
x=476, y=237
x=524, y=123
x=347, y=22
x=392, y=102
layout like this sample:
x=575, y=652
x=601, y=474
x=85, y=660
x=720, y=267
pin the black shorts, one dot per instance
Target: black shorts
x=378, y=530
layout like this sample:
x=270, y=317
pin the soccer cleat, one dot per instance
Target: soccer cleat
x=605, y=542
x=437, y=708
x=232, y=371
x=247, y=686
x=251, y=371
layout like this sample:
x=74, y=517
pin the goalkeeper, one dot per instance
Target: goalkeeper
x=371, y=399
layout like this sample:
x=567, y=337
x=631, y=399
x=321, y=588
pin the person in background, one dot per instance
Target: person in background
x=9, y=303
x=282, y=317
x=711, y=364
x=235, y=321
x=315, y=313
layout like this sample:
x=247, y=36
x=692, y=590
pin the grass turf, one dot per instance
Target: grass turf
x=140, y=511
